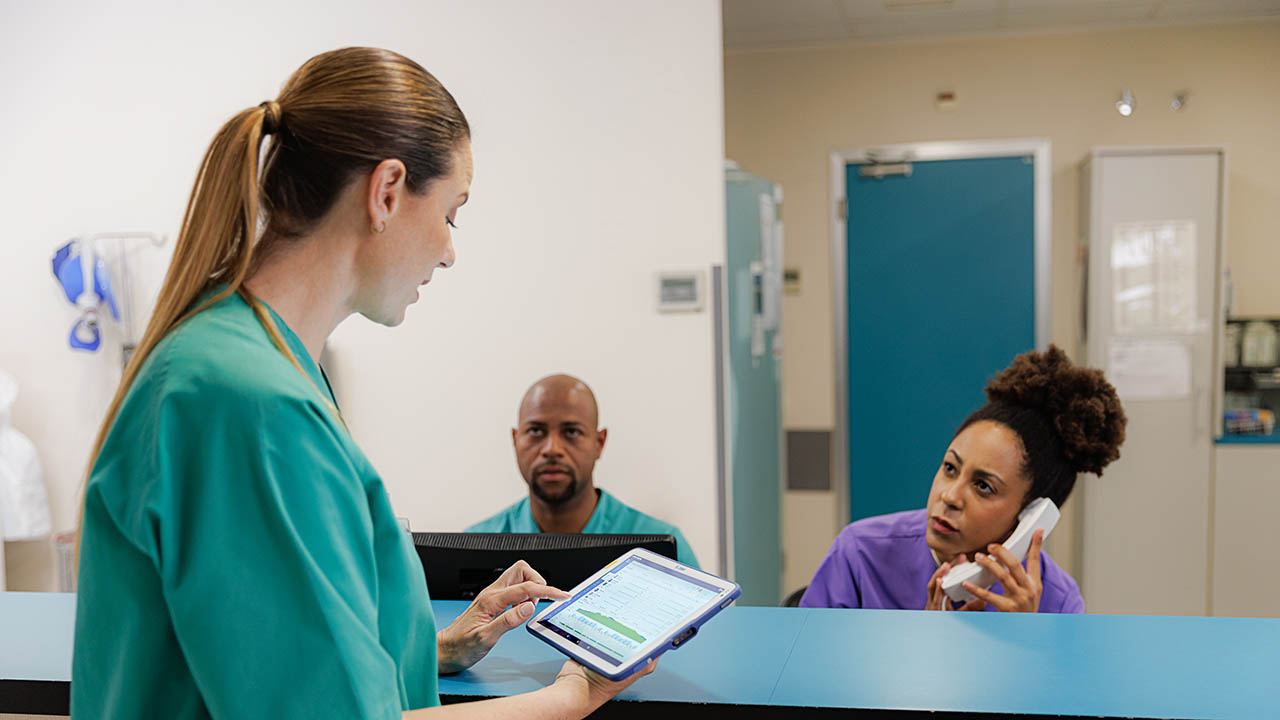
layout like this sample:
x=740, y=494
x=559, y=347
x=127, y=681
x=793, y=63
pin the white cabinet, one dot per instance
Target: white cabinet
x=1246, y=530
x=1152, y=228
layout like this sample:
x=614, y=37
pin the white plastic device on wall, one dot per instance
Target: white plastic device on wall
x=681, y=290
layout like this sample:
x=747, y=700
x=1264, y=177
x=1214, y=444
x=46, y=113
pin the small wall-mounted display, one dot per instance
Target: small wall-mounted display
x=680, y=291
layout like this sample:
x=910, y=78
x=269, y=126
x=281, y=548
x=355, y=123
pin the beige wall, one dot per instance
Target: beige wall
x=786, y=110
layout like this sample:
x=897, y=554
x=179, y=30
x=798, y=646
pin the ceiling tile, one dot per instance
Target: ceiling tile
x=781, y=23
x=1044, y=18
x=1219, y=9
x=906, y=29
x=1025, y=5
x=739, y=14
x=755, y=38
x=882, y=10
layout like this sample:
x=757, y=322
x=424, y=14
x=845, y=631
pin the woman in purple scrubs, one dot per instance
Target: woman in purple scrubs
x=1045, y=421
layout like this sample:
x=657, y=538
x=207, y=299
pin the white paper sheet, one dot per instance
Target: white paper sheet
x=1149, y=369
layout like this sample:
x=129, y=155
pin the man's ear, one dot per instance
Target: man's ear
x=601, y=435
x=386, y=187
x=513, y=437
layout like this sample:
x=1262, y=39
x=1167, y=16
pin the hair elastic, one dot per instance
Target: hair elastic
x=271, y=118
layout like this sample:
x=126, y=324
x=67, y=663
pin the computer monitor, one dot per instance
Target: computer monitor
x=460, y=565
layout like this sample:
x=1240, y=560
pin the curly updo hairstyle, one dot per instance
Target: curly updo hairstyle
x=1068, y=418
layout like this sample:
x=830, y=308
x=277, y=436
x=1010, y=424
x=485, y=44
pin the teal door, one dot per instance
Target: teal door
x=753, y=415
x=940, y=282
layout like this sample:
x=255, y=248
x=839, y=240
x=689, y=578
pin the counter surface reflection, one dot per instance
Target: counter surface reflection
x=767, y=662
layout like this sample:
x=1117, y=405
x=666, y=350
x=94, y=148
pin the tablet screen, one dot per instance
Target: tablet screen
x=634, y=603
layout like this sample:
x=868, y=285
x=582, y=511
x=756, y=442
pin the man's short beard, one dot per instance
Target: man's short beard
x=570, y=491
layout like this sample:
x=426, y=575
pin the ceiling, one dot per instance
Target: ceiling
x=759, y=24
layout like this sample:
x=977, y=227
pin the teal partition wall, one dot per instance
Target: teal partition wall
x=752, y=397
x=941, y=296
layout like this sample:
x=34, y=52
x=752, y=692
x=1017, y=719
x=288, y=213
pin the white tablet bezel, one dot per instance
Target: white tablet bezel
x=726, y=592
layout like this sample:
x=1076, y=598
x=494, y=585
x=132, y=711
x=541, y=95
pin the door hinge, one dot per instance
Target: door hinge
x=842, y=208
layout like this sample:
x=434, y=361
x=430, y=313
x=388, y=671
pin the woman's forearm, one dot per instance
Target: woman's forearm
x=554, y=702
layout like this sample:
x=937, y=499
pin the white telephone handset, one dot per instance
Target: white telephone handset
x=1041, y=514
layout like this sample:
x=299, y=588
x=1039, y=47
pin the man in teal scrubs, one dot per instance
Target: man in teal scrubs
x=557, y=444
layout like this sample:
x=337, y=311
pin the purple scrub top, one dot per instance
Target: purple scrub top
x=883, y=562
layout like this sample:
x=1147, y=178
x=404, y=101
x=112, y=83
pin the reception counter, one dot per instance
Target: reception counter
x=771, y=662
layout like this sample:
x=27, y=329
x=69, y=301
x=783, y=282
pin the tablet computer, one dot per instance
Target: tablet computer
x=635, y=608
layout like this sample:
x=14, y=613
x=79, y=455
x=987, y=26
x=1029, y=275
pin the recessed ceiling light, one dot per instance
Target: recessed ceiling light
x=1125, y=104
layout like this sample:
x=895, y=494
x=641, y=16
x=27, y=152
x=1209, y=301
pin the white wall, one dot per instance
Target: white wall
x=598, y=139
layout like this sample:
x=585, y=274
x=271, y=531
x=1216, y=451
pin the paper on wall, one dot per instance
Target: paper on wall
x=1149, y=369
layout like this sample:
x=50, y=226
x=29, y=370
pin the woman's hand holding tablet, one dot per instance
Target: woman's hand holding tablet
x=587, y=688
x=631, y=611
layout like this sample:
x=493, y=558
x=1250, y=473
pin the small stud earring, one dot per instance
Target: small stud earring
x=380, y=227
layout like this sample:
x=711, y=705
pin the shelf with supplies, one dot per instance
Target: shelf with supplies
x=1251, y=391
x=1249, y=379
x=1251, y=343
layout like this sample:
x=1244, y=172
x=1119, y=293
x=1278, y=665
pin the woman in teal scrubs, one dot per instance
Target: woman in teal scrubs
x=239, y=556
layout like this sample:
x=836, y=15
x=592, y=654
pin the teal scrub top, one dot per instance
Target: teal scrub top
x=611, y=517
x=240, y=557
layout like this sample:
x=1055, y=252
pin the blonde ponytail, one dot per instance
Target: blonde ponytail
x=215, y=245
x=341, y=113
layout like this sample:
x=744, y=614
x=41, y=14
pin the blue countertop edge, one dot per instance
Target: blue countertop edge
x=1268, y=439
x=1100, y=665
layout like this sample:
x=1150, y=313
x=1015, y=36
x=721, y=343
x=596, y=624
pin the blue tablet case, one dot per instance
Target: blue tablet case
x=678, y=639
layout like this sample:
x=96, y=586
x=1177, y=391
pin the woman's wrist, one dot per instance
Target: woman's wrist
x=570, y=697
x=445, y=656
x=579, y=697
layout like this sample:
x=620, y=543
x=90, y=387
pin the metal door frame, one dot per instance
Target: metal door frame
x=1038, y=148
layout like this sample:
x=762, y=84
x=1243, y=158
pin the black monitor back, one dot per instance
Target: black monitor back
x=460, y=565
